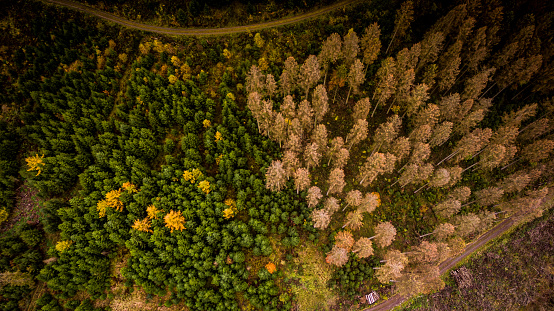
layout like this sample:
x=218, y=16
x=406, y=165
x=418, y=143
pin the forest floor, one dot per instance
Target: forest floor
x=26, y=208
x=200, y=31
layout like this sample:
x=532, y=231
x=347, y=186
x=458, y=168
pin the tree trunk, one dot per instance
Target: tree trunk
x=420, y=188
x=469, y=203
x=506, y=166
x=448, y=157
x=350, y=89
x=394, y=101
x=421, y=236
x=375, y=108
x=487, y=90
x=391, y=40
x=472, y=165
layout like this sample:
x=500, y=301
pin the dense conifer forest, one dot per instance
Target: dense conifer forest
x=295, y=168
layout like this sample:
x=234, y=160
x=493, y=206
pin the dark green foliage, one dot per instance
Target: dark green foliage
x=349, y=278
x=31, y=237
x=48, y=303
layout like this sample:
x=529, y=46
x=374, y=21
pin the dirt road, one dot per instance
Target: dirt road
x=199, y=31
x=448, y=264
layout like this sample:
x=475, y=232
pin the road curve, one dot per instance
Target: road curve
x=199, y=31
x=449, y=263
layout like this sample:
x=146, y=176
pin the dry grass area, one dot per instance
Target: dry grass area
x=516, y=273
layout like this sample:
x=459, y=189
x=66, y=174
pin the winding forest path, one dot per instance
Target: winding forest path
x=448, y=264
x=199, y=31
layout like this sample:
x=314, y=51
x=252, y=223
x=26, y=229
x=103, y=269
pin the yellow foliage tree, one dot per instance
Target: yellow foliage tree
x=258, y=40
x=3, y=215
x=142, y=225
x=112, y=199
x=130, y=187
x=271, y=267
x=207, y=123
x=101, y=207
x=227, y=54
x=204, y=186
x=35, y=163
x=152, y=211
x=62, y=246
x=231, y=210
x=218, y=136
x=174, y=221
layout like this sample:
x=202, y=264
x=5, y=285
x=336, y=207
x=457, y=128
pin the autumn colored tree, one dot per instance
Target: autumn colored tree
x=461, y=194
x=320, y=103
x=430, y=48
x=353, y=197
x=338, y=256
x=447, y=208
x=428, y=115
x=538, y=150
x=331, y=205
x=336, y=145
x=418, y=96
x=270, y=85
x=467, y=224
x=301, y=179
x=341, y=158
x=355, y=78
x=363, y=247
x=426, y=252
x=373, y=166
x=475, y=85
x=400, y=148
x=312, y=155
x=357, y=133
x=441, y=134
x=386, y=133
x=319, y=136
x=384, y=234
x=344, y=239
x=310, y=73
x=449, y=66
x=371, y=44
x=421, y=134
x=386, y=77
x=515, y=182
x=354, y=220
x=350, y=47
x=255, y=80
x=305, y=115
x=331, y=51
x=395, y=262
x=361, y=109
x=336, y=181
x=174, y=221
x=293, y=143
x=369, y=202
x=442, y=231
x=313, y=197
x=321, y=218
x=275, y=176
x=289, y=76
x=279, y=128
